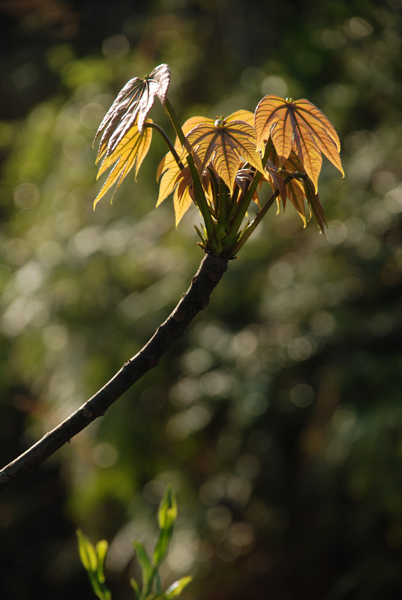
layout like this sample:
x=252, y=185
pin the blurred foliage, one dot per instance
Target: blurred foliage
x=93, y=558
x=277, y=418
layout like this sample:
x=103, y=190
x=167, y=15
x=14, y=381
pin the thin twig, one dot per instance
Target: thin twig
x=192, y=302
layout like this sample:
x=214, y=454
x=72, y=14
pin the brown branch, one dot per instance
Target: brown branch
x=192, y=302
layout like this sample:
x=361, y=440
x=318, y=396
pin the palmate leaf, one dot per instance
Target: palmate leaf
x=223, y=144
x=300, y=126
x=181, y=182
x=299, y=190
x=132, y=105
x=129, y=153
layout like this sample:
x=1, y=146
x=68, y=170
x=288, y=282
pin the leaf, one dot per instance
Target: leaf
x=146, y=566
x=243, y=115
x=299, y=189
x=132, y=104
x=128, y=154
x=136, y=588
x=184, y=194
x=314, y=203
x=177, y=587
x=168, y=170
x=276, y=179
x=295, y=193
x=299, y=126
x=161, y=546
x=193, y=122
x=87, y=552
x=268, y=113
x=181, y=182
x=101, y=549
x=93, y=560
x=224, y=144
x=293, y=189
x=178, y=180
x=167, y=512
x=243, y=179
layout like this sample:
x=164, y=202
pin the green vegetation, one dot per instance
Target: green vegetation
x=93, y=559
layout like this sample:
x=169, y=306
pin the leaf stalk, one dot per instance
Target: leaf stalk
x=199, y=192
x=167, y=141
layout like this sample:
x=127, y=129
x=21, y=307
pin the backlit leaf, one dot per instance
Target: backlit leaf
x=243, y=179
x=87, y=552
x=314, y=204
x=132, y=105
x=174, y=178
x=176, y=588
x=276, y=179
x=243, y=115
x=299, y=190
x=128, y=154
x=295, y=193
x=300, y=126
x=224, y=144
x=184, y=196
x=167, y=172
x=193, y=122
x=101, y=549
x=167, y=511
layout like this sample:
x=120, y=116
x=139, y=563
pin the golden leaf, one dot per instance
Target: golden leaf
x=184, y=195
x=299, y=126
x=129, y=153
x=167, y=172
x=224, y=144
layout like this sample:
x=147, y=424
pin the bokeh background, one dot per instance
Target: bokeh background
x=278, y=416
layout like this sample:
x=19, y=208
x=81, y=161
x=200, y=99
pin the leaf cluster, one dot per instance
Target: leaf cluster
x=93, y=558
x=220, y=165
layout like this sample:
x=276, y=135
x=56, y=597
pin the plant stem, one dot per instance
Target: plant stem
x=199, y=192
x=192, y=302
x=255, y=223
x=247, y=197
x=261, y=214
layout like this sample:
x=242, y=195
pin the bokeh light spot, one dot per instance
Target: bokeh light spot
x=105, y=455
x=26, y=196
x=115, y=46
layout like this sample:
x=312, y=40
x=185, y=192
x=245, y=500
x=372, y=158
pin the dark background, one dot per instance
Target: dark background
x=277, y=417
